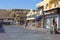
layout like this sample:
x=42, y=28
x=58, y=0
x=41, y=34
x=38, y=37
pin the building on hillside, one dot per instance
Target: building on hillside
x=51, y=14
x=3, y=14
x=17, y=15
x=20, y=15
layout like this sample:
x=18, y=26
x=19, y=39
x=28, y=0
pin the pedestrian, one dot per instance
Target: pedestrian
x=55, y=27
x=51, y=29
x=1, y=27
x=26, y=24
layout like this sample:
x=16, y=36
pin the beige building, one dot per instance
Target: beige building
x=3, y=14
x=18, y=15
x=50, y=4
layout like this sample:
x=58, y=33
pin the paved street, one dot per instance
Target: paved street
x=15, y=32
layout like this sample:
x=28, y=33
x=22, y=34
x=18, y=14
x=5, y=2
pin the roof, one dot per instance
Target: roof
x=30, y=13
x=40, y=4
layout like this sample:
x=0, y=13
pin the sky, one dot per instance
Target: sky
x=19, y=4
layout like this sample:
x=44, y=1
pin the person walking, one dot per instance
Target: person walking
x=51, y=29
x=55, y=27
x=26, y=24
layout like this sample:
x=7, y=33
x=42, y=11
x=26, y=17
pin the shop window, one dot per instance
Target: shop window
x=53, y=20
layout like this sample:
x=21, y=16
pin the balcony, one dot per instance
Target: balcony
x=52, y=1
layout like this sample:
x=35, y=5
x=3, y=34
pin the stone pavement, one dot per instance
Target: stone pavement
x=38, y=29
x=17, y=32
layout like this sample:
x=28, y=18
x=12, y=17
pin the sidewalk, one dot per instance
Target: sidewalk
x=38, y=29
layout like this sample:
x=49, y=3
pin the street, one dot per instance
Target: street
x=14, y=32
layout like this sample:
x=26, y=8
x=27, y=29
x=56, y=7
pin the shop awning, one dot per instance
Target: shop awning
x=37, y=18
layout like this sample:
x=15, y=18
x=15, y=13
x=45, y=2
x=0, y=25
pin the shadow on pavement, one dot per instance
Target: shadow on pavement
x=57, y=33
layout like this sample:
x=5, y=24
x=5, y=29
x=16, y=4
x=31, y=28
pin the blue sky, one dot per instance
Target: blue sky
x=20, y=4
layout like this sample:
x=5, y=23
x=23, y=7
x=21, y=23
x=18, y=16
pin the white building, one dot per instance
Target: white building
x=31, y=17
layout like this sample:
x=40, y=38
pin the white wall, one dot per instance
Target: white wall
x=58, y=21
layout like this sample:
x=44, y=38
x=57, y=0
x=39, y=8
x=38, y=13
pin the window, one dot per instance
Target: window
x=46, y=6
x=55, y=4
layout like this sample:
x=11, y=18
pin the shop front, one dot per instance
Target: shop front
x=49, y=20
x=52, y=17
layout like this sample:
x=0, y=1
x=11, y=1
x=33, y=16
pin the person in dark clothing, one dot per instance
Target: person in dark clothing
x=1, y=27
x=26, y=24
